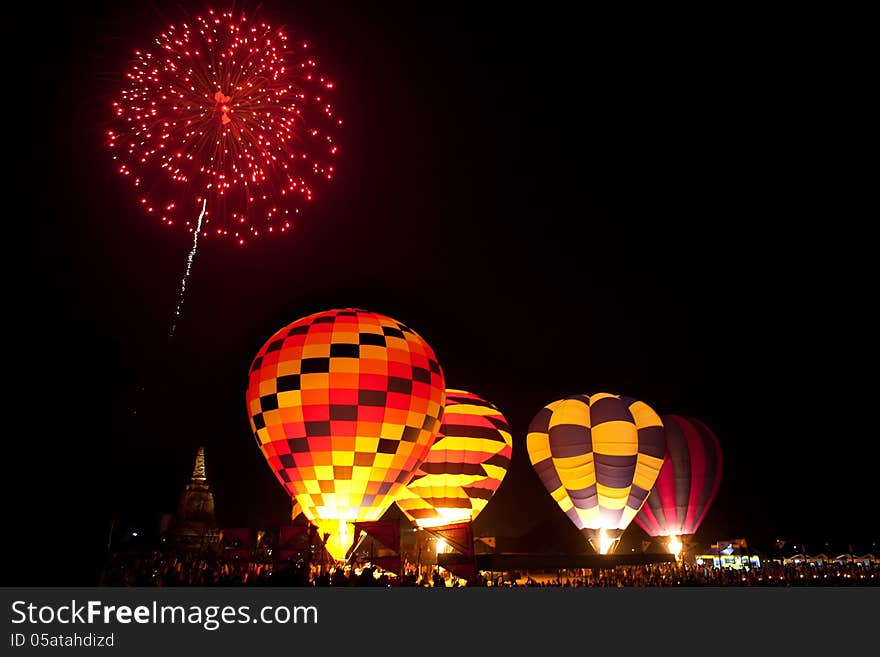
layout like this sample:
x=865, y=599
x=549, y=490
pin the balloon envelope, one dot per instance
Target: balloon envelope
x=464, y=466
x=688, y=480
x=344, y=405
x=598, y=456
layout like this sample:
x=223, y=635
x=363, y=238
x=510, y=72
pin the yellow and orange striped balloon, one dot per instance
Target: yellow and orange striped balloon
x=463, y=468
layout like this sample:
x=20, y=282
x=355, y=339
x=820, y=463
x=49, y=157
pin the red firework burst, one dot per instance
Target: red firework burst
x=225, y=119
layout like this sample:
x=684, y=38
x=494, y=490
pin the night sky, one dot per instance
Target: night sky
x=657, y=205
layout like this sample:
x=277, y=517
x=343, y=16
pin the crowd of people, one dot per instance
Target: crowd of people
x=164, y=569
x=660, y=575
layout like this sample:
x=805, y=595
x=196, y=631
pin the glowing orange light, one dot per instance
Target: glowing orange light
x=675, y=546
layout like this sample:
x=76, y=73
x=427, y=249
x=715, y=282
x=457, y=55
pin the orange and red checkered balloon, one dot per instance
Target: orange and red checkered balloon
x=345, y=405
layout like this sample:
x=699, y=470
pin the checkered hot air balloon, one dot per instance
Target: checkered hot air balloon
x=599, y=456
x=464, y=466
x=688, y=481
x=345, y=405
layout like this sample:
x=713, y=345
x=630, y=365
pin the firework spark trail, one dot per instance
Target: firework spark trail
x=189, y=262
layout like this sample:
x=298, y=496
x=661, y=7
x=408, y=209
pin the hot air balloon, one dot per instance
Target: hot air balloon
x=345, y=405
x=464, y=466
x=687, y=484
x=599, y=456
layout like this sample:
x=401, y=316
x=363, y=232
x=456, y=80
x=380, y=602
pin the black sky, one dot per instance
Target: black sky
x=663, y=206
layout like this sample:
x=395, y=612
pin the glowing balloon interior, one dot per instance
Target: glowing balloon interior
x=345, y=405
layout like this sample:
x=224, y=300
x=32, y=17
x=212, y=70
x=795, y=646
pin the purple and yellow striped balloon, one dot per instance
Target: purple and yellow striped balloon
x=598, y=456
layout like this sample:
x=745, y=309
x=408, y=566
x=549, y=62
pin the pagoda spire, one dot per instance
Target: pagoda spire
x=198, y=475
x=198, y=482
x=193, y=527
x=197, y=501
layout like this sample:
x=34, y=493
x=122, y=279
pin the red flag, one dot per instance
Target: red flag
x=462, y=570
x=391, y=564
x=291, y=535
x=236, y=537
x=386, y=532
x=459, y=537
